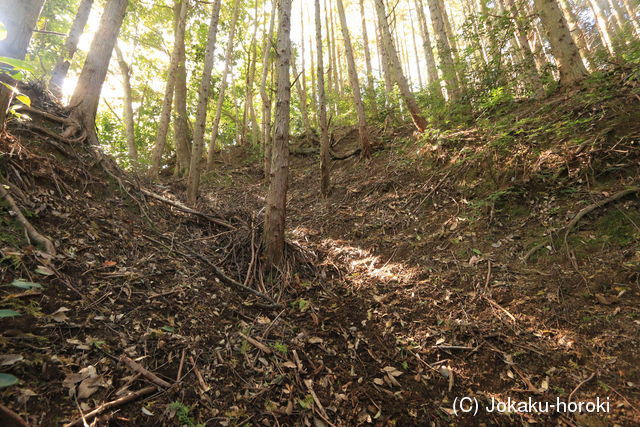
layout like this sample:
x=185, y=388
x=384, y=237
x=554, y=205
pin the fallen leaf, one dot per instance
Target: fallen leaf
x=59, y=315
x=10, y=359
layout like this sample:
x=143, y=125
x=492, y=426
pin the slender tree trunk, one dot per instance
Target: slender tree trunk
x=204, y=91
x=180, y=10
x=275, y=214
x=633, y=15
x=570, y=65
x=415, y=51
x=127, y=113
x=602, y=24
x=524, y=47
x=367, y=51
x=181, y=119
x=70, y=47
x=19, y=19
x=223, y=84
x=266, y=99
x=331, y=69
x=314, y=83
x=355, y=84
x=335, y=65
x=86, y=96
x=325, y=182
x=432, y=69
x=444, y=50
x=396, y=71
x=302, y=98
x=576, y=32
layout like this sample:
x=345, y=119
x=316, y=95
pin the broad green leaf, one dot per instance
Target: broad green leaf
x=18, y=63
x=3, y=31
x=8, y=313
x=24, y=99
x=7, y=380
x=22, y=284
x=168, y=329
x=45, y=271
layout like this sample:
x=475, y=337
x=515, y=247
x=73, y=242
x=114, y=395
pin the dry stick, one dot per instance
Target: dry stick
x=11, y=418
x=136, y=367
x=257, y=344
x=31, y=232
x=498, y=306
x=595, y=206
x=185, y=209
x=113, y=404
x=583, y=382
x=179, y=375
x=203, y=384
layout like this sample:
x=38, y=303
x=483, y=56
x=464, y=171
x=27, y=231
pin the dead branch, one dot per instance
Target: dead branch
x=584, y=211
x=10, y=418
x=257, y=344
x=52, y=117
x=335, y=156
x=136, y=367
x=186, y=209
x=113, y=404
x=31, y=231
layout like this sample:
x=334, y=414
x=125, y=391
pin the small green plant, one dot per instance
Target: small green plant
x=301, y=304
x=282, y=348
x=182, y=414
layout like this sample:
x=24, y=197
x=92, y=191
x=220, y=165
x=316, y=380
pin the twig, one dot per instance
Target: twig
x=203, y=384
x=136, y=367
x=31, y=231
x=580, y=385
x=498, y=306
x=595, y=206
x=179, y=375
x=113, y=404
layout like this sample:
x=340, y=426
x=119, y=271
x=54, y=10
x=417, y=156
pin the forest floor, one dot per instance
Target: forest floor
x=447, y=265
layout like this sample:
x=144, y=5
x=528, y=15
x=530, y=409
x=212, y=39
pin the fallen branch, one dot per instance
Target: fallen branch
x=186, y=209
x=10, y=418
x=31, y=231
x=137, y=368
x=113, y=404
x=591, y=208
x=257, y=344
x=335, y=156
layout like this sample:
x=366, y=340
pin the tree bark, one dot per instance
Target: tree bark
x=302, y=99
x=70, y=47
x=570, y=65
x=223, y=85
x=19, y=19
x=395, y=69
x=274, y=222
x=602, y=24
x=86, y=96
x=180, y=13
x=266, y=99
x=367, y=51
x=355, y=84
x=127, y=113
x=181, y=120
x=193, y=181
x=415, y=51
x=325, y=182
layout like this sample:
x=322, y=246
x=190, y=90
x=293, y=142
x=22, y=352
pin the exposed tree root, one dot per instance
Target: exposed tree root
x=10, y=418
x=571, y=225
x=32, y=233
x=52, y=117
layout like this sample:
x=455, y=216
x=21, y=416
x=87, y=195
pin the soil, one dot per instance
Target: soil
x=413, y=284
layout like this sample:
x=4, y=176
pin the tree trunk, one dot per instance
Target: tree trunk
x=396, y=71
x=576, y=32
x=70, y=47
x=181, y=120
x=415, y=51
x=322, y=109
x=524, y=47
x=223, y=85
x=266, y=99
x=570, y=65
x=180, y=13
x=603, y=25
x=432, y=69
x=302, y=99
x=127, y=113
x=633, y=15
x=193, y=181
x=19, y=19
x=274, y=220
x=384, y=63
x=86, y=96
x=367, y=51
x=444, y=50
